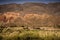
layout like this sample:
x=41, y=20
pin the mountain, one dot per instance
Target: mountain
x=32, y=14
x=10, y=7
x=39, y=8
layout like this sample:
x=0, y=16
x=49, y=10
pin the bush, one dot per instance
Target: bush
x=58, y=26
x=32, y=35
x=11, y=36
x=1, y=38
x=1, y=26
x=29, y=36
x=53, y=37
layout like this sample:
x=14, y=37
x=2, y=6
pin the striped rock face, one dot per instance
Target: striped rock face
x=11, y=16
x=2, y=18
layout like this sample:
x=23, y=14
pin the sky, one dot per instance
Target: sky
x=24, y=1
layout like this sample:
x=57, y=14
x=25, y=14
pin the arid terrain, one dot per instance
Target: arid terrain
x=34, y=18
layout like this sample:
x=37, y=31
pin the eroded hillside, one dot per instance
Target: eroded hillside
x=30, y=15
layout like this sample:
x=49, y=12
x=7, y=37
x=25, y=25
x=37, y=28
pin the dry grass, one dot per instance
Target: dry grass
x=14, y=34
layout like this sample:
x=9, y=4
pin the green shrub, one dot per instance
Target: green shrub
x=1, y=26
x=53, y=37
x=1, y=38
x=29, y=36
x=58, y=26
x=32, y=35
x=11, y=36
